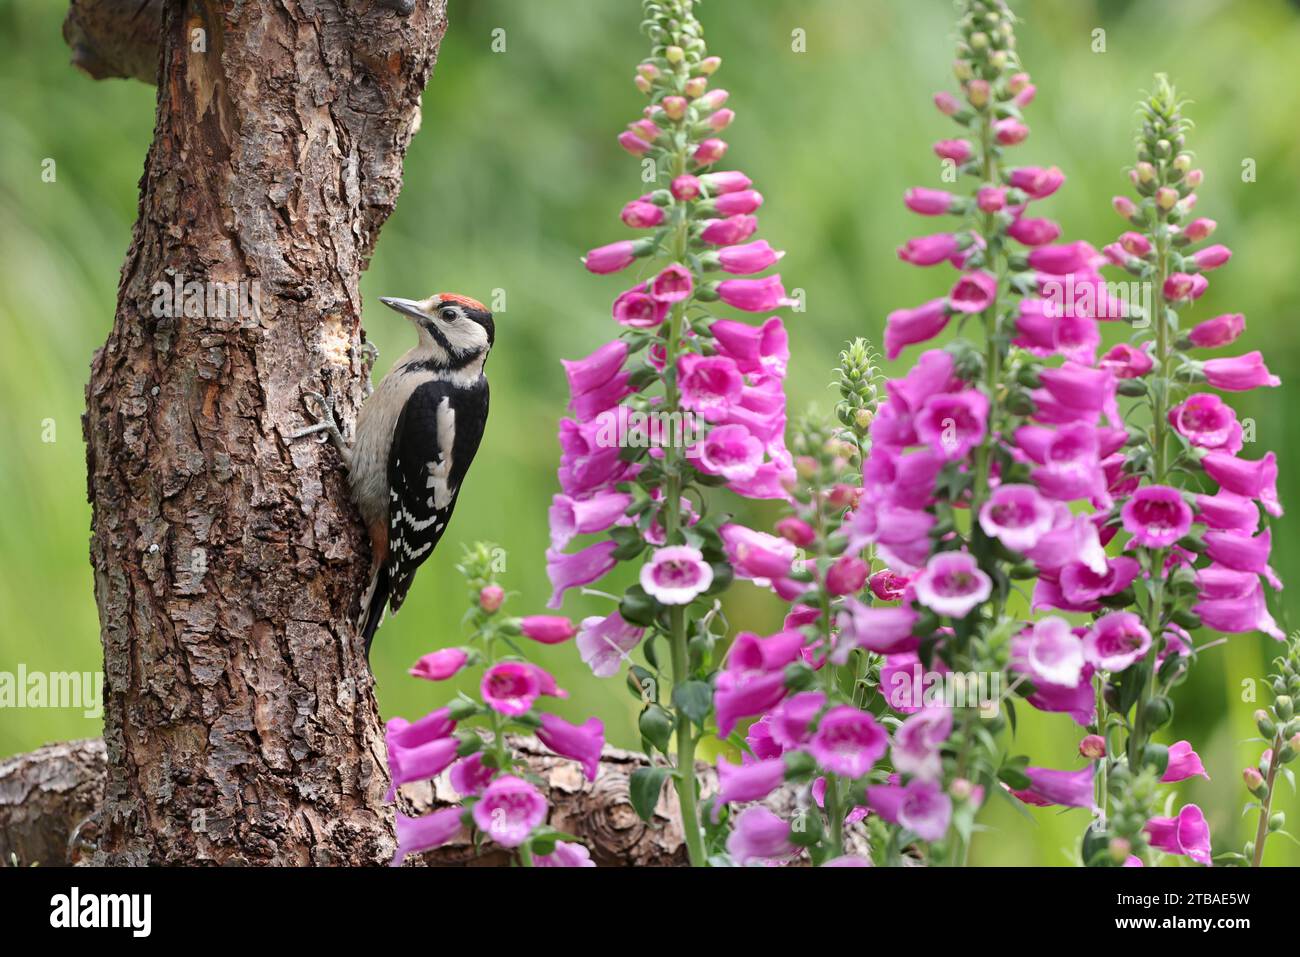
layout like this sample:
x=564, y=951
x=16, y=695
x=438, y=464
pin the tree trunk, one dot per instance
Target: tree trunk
x=240, y=719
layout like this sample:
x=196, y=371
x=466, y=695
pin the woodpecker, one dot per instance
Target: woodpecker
x=416, y=436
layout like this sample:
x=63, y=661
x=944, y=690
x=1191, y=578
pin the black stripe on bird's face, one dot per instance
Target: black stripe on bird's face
x=461, y=331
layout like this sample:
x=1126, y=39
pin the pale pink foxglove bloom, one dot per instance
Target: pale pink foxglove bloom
x=946, y=103
x=725, y=181
x=578, y=569
x=848, y=741
x=509, y=809
x=1010, y=132
x=570, y=517
x=729, y=231
x=753, y=781
x=1060, y=260
x=905, y=327
x=633, y=143
x=1187, y=834
x=917, y=741
x=642, y=214
x=1033, y=232
x=1199, y=229
x=1219, y=331
x=731, y=451
x=582, y=743
x=953, y=423
x=904, y=682
x=1207, y=422
x=439, y=665
x=753, y=295
x=1049, y=652
x=1073, y=538
x=470, y=775
x=1243, y=553
x=685, y=187
x=416, y=834
x=1255, y=479
x=1184, y=763
x=756, y=350
x=709, y=152
x=929, y=250
x=1233, y=602
x=510, y=687
x=1228, y=511
x=1073, y=336
x=759, y=835
x=1037, y=182
x=710, y=385
x=1017, y=516
x=847, y=575
x=1124, y=206
x=952, y=584
x=959, y=151
x=1184, y=286
x=973, y=292
x=676, y=575
x=748, y=258
x=721, y=119
x=928, y=202
x=547, y=629
x=1127, y=361
x=1156, y=516
x=1239, y=373
x=1048, y=787
x=605, y=643
x=1070, y=459
x=791, y=722
x=595, y=370
x=1081, y=589
x=566, y=854
x=637, y=309
x=740, y=202
x=1211, y=257
x=920, y=806
x=612, y=258
x=1116, y=640
x=885, y=630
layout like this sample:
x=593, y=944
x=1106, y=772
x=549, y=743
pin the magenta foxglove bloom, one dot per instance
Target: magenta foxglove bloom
x=1039, y=183
x=953, y=423
x=1062, y=259
x=1233, y=602
x=685, y=187
x=742, y=260
x=928, y=202
x=917, y=741
x=615, y=256
x=847, y=575
x=789, y=725
x=753, y=295
x=1034, y=232
x=419, y=763
x=1242, y=552
x=546, y=683
x=578, y=569
x=1125, y=361
x=1219, y=331
x=1207, y=421
x=731, y=451
x=929, y=250
x=729, y=231
x=952, y=584
x=745, y=694
x=738, y=203
x=605, y=643
x=848, y=741
x=920, y=806
x=547, y=629
x=588, y=405
x=1199, y=229
x=756, y=555
x=1156, y=516
x=750, y=653
x=1082, y=588
x=400, y=733
x=726, y=181
x=570, y=517
x=905, y=327
x=739, y=784
x=884, y=630
x=417, y=834
x=676, y=575
x=1065, y=788
x=1073, y=539
x=1080, y=388
x=709, y=152
x=1211, y=257
x=635, y=308
x=633, y=144
x=1185, y=286
x=1009, y=132
x=641, y=214
x=761, y=350
x=904, y=682
x=439, y=665
x=595, y=370
x=710, y=385
x=470, y=775
x=1184, y=763
x=1187, y=834
x=1254, y=479
x=509, y=809
x=1228, y=511
x=582, y=743
x=1116, y=640
x=1239, y=373
x=796, y=531
x=887, y=584
x=1079, y=702
x=946, y=103
x=759, y=835
x=973, y=292
x=959, y=151
x=1073, y=336
x=566, y=854
x=991, y=199
x=1049, y=652
x=673, y=284
x=1017, y=516
x=510, y=687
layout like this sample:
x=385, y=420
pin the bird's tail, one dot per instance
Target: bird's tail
x=373, y=603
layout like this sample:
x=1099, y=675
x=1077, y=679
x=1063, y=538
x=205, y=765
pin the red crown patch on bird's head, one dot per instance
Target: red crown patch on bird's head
x=465, y=301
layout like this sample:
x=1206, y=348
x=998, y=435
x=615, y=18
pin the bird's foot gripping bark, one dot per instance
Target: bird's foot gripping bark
x=369, y=356
x=325, y=424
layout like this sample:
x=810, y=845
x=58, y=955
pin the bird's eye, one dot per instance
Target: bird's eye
x=448, y=315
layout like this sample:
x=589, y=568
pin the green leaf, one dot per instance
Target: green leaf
x=693, y=699
x=644, y=787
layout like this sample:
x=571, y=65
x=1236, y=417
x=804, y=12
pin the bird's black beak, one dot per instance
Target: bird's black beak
x=407, y=307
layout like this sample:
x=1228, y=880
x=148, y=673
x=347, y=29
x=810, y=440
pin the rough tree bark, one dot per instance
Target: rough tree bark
x=240, y=721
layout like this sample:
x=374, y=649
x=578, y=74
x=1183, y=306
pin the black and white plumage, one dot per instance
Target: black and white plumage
x=416, y=437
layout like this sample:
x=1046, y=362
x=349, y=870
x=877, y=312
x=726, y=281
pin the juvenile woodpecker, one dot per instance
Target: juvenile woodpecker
x=416, y=436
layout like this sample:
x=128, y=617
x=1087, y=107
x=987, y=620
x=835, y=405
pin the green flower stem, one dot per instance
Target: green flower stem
x=1266, y=803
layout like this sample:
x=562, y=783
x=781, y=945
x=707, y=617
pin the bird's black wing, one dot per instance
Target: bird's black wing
x=437, y=434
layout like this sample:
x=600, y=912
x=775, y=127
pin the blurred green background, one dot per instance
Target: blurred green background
x=515, y=173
